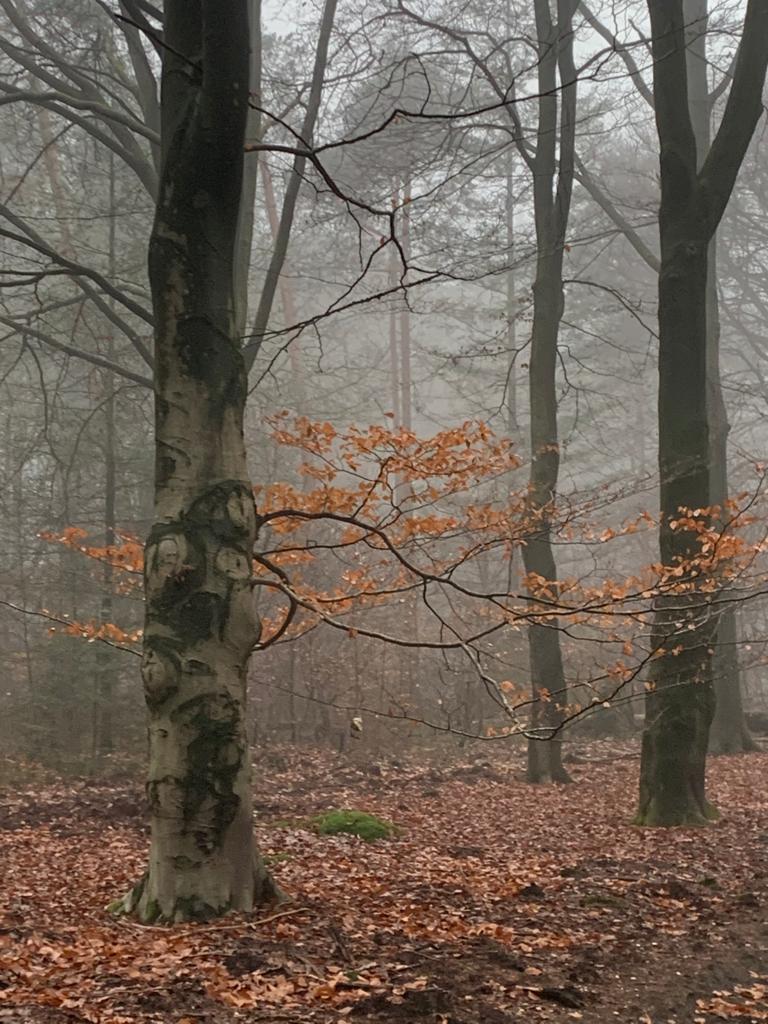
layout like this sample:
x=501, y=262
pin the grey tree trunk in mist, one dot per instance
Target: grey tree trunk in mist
x=680, y=700
x=729, y=733
x=552, y=184
x=200, y=624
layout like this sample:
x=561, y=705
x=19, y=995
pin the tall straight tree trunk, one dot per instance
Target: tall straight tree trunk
x=545, y=654
x=406, y=385
x=729, y=733
x=290, y=198
x=290, y=314
x=694, y=194
x=680, y=706
x=244, y=236
x=394, y=353
x=511, y=298
x=200, y=622
x=552, y=168
x=103, y=741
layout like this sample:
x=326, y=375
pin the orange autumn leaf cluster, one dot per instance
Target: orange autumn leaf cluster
x=91, y=632
x=399, y=509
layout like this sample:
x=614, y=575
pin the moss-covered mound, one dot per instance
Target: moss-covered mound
x=354, y=823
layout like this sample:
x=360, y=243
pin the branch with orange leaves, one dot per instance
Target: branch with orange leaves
x=106, y=633
x=409, y=515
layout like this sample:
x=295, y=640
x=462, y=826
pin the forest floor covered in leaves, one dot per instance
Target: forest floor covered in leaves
x=494, y=902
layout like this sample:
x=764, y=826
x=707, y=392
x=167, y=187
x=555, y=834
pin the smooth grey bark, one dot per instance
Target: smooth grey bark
x=394, y=355
x=146, y=82
x=290, y=311
x=694, y=194
x=200, y=624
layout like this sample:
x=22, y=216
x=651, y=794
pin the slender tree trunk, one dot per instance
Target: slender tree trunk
x=104, y=696
x=552, y=183
x=280, y=248
x=290, y=315
x=200, y=623
x=545, y=655
x=729, y=733
x=103, y=733
x=394, y=355
x=292, y=674
x=14, y=472
x=244, y=237
x=406, y=386
x=511, y=298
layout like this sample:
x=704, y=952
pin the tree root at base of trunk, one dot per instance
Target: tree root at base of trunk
x=692, y=817
x=139, y=905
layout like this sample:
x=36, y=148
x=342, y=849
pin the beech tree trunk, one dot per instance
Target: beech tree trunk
x=406, y=383
x=729, y=732
x=552, y=168
x=694, y=194
x=680, y=705
x=545, y=656
x=103, y=741
x=200, y=622
x=511, y=296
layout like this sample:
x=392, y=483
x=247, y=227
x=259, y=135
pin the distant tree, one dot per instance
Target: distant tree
x=549, y=158
x=552, y=167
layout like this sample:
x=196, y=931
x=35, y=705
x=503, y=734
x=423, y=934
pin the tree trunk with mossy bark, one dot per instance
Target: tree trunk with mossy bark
x=694, y=194
x=200, y=622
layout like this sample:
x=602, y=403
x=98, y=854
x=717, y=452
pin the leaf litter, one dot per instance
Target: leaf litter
x=493, y=902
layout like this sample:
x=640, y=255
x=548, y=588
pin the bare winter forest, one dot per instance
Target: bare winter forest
x=384, y=511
